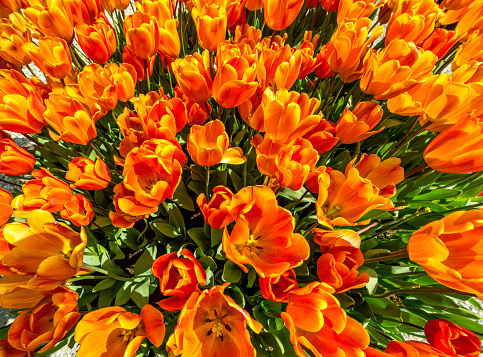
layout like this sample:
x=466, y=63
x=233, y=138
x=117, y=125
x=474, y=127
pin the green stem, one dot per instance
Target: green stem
x=195, y=172
x=147, y=75
x=105, y=272
x=310, y=228
x=208, y=183
x=391, y=256
x=400, y=221
x=406, y=141
x=10, y=183
x=86, y=277
x=423, y=291
x=329, y=92
x=335, y=102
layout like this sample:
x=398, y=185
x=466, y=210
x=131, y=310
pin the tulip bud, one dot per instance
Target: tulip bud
x=53, y=20
x=97, y=41
x=198, y=113
x=280, y=14
x=52, y=56
x=439, y=42
x=322, y=69
x=279, y=69
x=356, y=126
x=78, y=210
x=254, y=5
x=87, y=174
x=355, y=9
x=337, y=238
x=322, y=137
x=14, y=160
x=142, y=34
x=216, y=212
x=277, y=289
x=211, y=23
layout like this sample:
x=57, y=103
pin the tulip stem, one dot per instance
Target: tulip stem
x=310, y=228
x=416, y=169
x=301, y=198
x=36, y=142
x=105, y=272
x=368, y=227
x=195, y=172
x=422, y=291
x=315, y=87
x=147, y=75
x=207, y=182
x=10, y=183
x=329, y=92
x=391, y=256
x=406, y=141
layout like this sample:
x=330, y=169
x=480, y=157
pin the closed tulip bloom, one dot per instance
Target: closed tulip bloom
x=268, y=244
x=142, y=34
x=450, y=250
x=197, y=113
x=439, y=42
x=322, y=137
x=8, y=350
x=138, y=63
x=469, y=51
x=349, y=45
x=458, y=148
x=451, y=338
x=279, y=68
x=412, y=349
x=209, y=145
x=321, y=68
x=9, y=6
x=395, y=69
x=11, y=41
x=179, y=276
x=337, y=238
x=280, y=14
x=216, y=212
x=87, y=174
x=471, y=21
x=211, y=23
x=54, y=20
x=277, y=289
x=306, y=50
x=267, y=154
x=47, y=324
x=235, y=81
x=211, y=323
x=78, y=210
x=84, y=11
x=356, y=125
x=52, y=56
x=193, y=76
x=97, y=41
x=14, y=160
x=165, y=119
x=355, y=9
x=6, y=209
x=113, y=331
x=111, y=5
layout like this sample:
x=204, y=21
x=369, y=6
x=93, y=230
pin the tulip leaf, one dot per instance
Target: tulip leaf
x=140, y=293
x=252, y=276
x=109, y=265
x=145, y=261
x=283, y=336
x=384, y=307
x=272, y=306
x=103, y=284
x=345, y=300
x=182, y=197
x=231, y=272
x=437, y=194
x=107, y=295
x=216, y=236
x=260, y=316
x=236, y=180
x=371, y=286
x=113, y=247
x=199, y=238
x=124, y=293
x=166, y=229
x=271, y=342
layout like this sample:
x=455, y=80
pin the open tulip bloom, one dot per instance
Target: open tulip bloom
x=241, y=178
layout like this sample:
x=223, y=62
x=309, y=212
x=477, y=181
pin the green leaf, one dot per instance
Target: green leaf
x=231, y=272
x=272, y=306
x=437, y=194
x=124, y=293
x=145, y=261
x=166, y=229
x=384, y=307
x=103, y=284
x=182, y=197
x=140, y=293
x=199, y=237
x=252, y=276
x=216, y=236
x=371, y=286
x=236, y=180
x=107, y=295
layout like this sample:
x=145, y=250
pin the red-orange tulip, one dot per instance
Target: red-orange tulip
x=211, y=23
x=179, y=277
x=412, y=349
x=87, y=174
x=138, y=63
x=337, y=238
x=356, y=125
x=12, y=38
x=216, y=212
x=14, y=160
x=451, y=338
x=97, y=41
x=439, y=42
x=111, y=5
x=279, y=67
x=142, y=34
x=321, y=68
x=6, y=209
x=9, y=6
x=84, y=11
x=198, y=113
x=280, y=14
x=356, y=9
x=78, y=210
x=277, y=288
x=7, y=350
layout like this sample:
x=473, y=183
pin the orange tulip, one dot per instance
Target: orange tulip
x=9, y=6
x=48, y=323
x=87, y=174
x=211, y=23
x=471, y=50
x=6, y=209
x=212, y=323
x=279, y=68
x=395, y=69
x=97, y=41
x=84, y=11
x=471, y=21
x=247, y=34
x=112, y=331
x=138, y=63
x=6, y=349
x=14, y=160
x=71, y=120
x=345, y=198
x=21, y=105
x=306, y=50
x=254, y=5
x=356, y=125
x=209, y=145
x=348, y=47
x=322, y=137
x=54, y=20
x=46, y=253
x=451, y=338
x=193, y=76
x=12, y=38
x=216, y=212
x=268, y=244
x=142, y=34
x=337, y=238
x=317, y=322
x=164, y=119
x=450, y=250
x=280, y=14
x=178, y=278
x=198, y=113
x=439, y=42
x=46, y=192
x=78, y=210
x=111, y=5
x=355, y=9
x=321, y=68
x=277, y=288
x=458, y=148
x=412, y=349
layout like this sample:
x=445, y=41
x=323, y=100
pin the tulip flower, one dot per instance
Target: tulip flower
x=471, y=50
x=111, y=5
x=97, y=41
x=6, y=209
x=411, y=349
x=216, y=212
x=52, y=56
x=451, y=338
x=78, y=210
x=268, y=244
x=45, y=192
x=112, y=330
x=348, y=47
x=21, y=105
x=317, y=322
x=322, y=137
x=439, y=42
x=198, y=113
x=279, y=68
x=11, y=41
x=9, y=6
x=14, y=160
x=46, y=253
x=321, y=68
x=450, y=250
x=211, y=23
x=84, y=11
x=458, y=148
x=280, y=14
x=164, y=119
x=87, y=174
x=356, y=125
x=277, y=289
x=208, y=145
x=254, y=5
x=142, y=34
x=471, y=21
x=223, y=324
x=306, y=49
x=337, y=238
x=193, y=76
x=395, y=69
x=54, y=20
x=248, y=35
x=7, y=349
x=168, y=268
x=138, y=63
x=48, y=323
x=355, y=9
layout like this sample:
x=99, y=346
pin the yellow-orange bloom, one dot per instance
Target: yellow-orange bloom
x=12, y=38
x=6, y=209
x=263, y=234
x=471, y=50
x=6, y=349
x=112, y=331
x=211, y=323
x=411, y=349
x=211, y=23
x=48, y=323
x=280, y=14
x=355, y=9
x=46, y=253
x=337, y=238
x=196, y=113
x=78, y=210
x=458, y=148
x=111, y=5
x=349, y=45
x=97, y=41
x=450, y=250
x=194, y=77
x=277, y=289
x=88, y=174
x=14, y=160
x=356, y=125
x=279, y=68
x=439, y=42
x=54, y=20
x=397, y=68
x=52, y=56
x=9, y=6
x=254, y=5
x=84, y=11
x=471, y=21
x=142, y=34
x=209, y=145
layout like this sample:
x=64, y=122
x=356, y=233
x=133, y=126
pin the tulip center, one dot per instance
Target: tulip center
x=128, y=335
x=218, y=326
x=252, y=241
x=332, y=211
